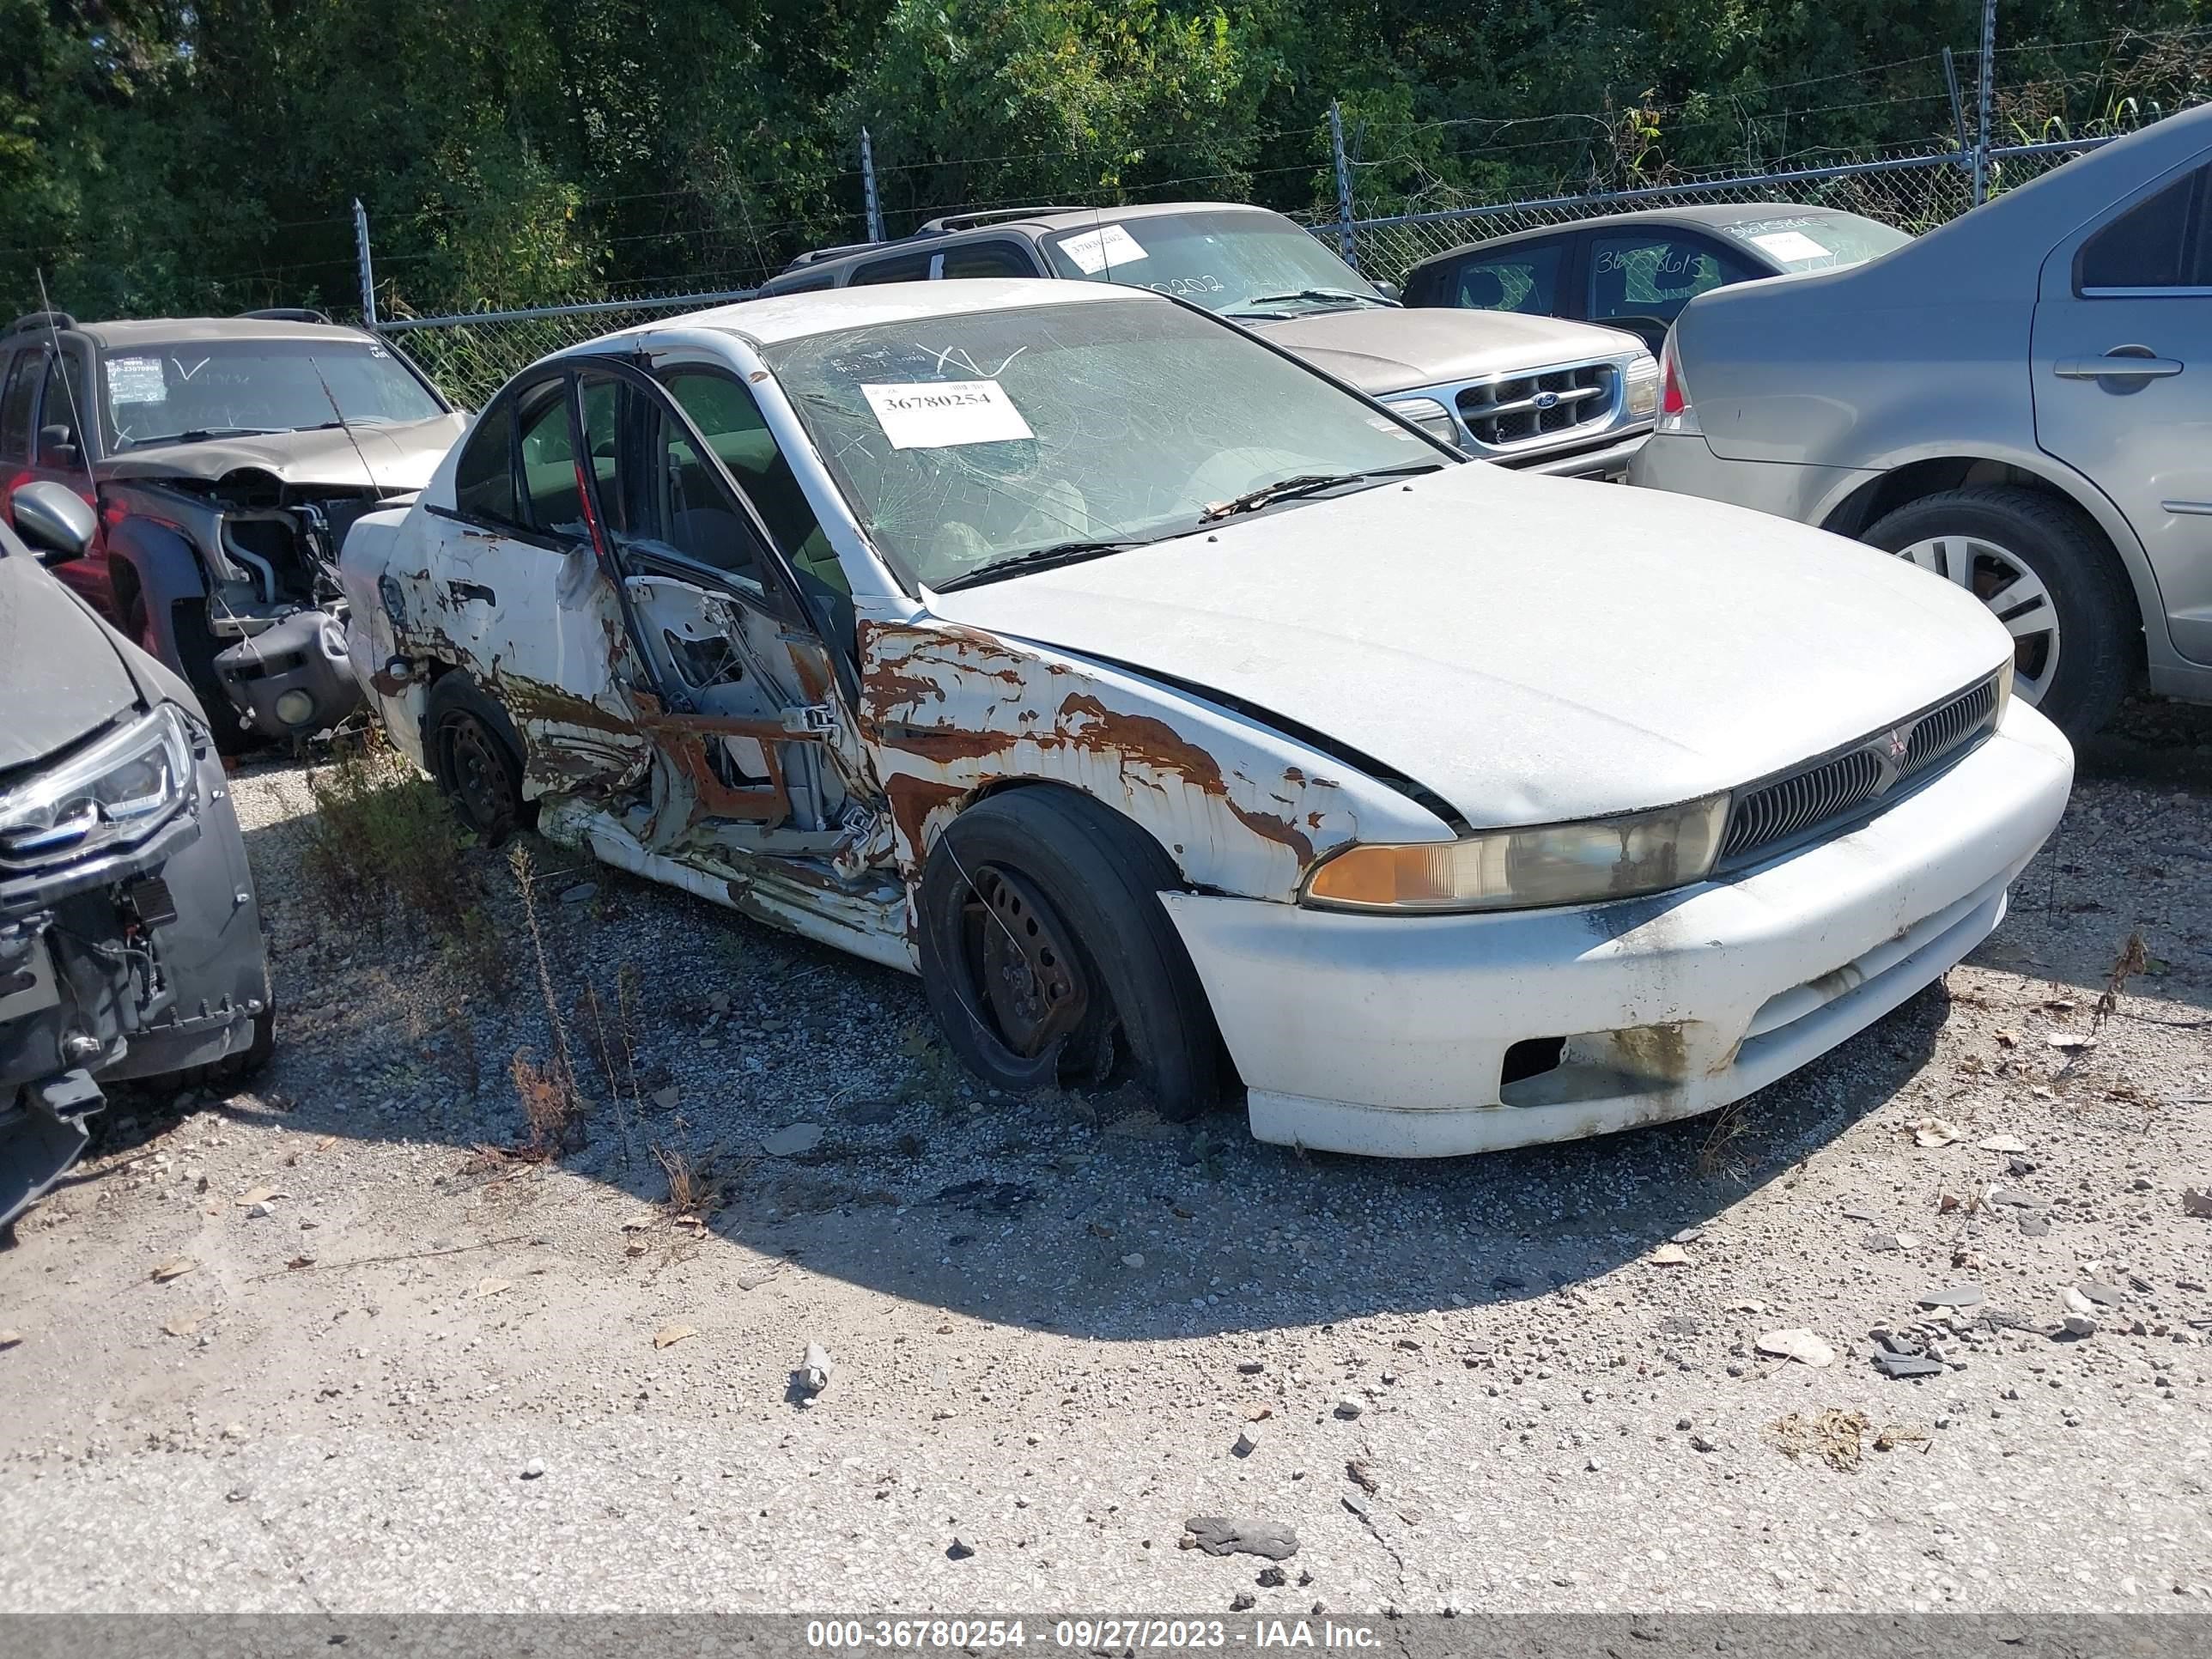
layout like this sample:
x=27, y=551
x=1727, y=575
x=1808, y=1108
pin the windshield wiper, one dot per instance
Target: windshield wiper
x=1307, y=484
x=201, y=435
x=1296, y=295
x=1040, y=558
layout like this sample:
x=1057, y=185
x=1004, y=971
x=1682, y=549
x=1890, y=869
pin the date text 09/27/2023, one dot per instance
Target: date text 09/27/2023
x=1084, y=1634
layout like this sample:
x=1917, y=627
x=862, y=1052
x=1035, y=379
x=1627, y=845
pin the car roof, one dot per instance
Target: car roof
x=774, y=318
x=1039, y=221
x=1705, y=216
x=181, y=330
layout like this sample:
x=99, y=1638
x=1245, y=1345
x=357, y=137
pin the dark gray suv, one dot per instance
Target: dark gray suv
x=130, y=941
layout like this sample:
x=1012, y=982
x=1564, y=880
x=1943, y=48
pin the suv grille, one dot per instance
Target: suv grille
x=1816, y=797
x=1503, y=413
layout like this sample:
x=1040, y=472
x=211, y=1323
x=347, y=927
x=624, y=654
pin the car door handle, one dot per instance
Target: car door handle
x=472, y=592
x=2116, y=367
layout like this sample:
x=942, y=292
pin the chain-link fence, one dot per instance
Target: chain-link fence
x=1915, y=193
x=472, y=356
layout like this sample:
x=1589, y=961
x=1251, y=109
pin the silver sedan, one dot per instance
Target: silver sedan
x=2020, y=403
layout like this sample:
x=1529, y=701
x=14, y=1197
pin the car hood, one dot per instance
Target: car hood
x=1382, y=352
x=1530, y=649
x=399, y=458
x=50, y=641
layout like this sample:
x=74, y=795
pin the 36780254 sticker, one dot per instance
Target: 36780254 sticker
x=944, y=414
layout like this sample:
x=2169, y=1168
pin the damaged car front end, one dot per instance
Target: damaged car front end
x=131, y=944
x=228, y=458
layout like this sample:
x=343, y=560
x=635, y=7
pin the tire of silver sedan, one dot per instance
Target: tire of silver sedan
x=2046, y=572
x=1045, y=952
x=474, y=759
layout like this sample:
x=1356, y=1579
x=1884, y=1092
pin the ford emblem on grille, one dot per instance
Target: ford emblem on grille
x=1546, y=400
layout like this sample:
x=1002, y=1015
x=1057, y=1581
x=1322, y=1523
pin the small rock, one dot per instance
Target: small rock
x=2197, y=1201
x=2020, y=1168
x=1907, y=1364
x=1703, y=1443
x=234, y=1430
x=2074, y=1302
x=958, y=1550
x=1347, y=1408
x=1133, y=1260
x=1242, y=1601
x=2034, y=1226
x=1218, y=1534
x=792, y=1141
x=10, y=1337
x=2105, y=1296
x=2078, y=1326
x=534, y=1468
x=1689, y=1234
x=1249, y=1368
x=2004, y=1144
x=582, y=893
x=1953, y=1296
x=1888, y=1242
x=1799, y=1344
x=814, y=1369
x=1273, y=1578
x=1247, y=1442
x=1669, y=1255
x=238, y=1494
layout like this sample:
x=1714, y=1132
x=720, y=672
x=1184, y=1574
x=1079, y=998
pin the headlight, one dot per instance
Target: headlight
x=114, y=794
x=1644, y=387
x=2004, y=691
x=1431, y=416
x=1520, y=869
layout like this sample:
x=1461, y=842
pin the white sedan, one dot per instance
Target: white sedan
x=1168, y=706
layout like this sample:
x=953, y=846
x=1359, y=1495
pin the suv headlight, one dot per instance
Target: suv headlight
x=114, y=794
x=1644, y=387
x=1431, y=416
x=1521, y=869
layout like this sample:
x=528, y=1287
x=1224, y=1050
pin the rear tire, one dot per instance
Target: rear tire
x=477, y=764
x=2046, y=572
x=1044, y=944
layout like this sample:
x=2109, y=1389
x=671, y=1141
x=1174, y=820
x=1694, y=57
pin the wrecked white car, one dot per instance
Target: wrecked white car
x=1165, y=704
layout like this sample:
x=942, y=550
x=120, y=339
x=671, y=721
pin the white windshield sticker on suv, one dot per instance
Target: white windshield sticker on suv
x=136, y=381
x=942, y=414
x=1791, y=246
x=1096, y=250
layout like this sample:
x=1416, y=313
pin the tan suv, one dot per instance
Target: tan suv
x=1533, y=392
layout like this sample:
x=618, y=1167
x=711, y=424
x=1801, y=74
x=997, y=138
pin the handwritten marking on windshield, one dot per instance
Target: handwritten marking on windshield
x=957, y=356
x=194, y=369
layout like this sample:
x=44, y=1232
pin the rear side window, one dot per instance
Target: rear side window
x=1525, y=279
x=1653, y=275
x=987, y=259
x=905, y=268
x=2160, y=243
x=483, y=478
x=18, y=401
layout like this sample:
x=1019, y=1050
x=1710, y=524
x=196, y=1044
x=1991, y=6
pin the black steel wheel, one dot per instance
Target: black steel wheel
x=476, y=764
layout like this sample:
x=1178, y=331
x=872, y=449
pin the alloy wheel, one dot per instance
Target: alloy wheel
x=2016, y=595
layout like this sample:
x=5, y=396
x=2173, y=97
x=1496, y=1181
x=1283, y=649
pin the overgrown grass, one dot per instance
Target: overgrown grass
x=382, y=840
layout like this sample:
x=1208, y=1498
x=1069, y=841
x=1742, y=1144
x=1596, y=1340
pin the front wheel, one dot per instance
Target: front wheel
x=1045, y=950
x=2046, y=574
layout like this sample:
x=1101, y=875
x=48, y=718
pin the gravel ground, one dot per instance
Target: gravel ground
x=406, y=1370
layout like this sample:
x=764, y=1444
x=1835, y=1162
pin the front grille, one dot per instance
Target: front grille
x=1815, y=798
x=1533, y=408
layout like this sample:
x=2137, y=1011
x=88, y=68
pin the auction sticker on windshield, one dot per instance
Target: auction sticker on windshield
x=943, y=414
x=1095, y=250
x=1791, y=246
x=136, y=381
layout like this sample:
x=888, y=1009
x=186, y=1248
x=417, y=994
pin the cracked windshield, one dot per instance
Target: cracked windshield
x=1249, y=265
x=980, y=445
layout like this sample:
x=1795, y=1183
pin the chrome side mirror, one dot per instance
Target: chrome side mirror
x=54, y=519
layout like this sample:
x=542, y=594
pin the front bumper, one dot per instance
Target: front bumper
x=1609, y=463
x=139, y=966
x=1389, y=1035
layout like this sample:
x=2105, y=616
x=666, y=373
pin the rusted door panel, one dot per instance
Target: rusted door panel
x=756, y=744
x=541, y=629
